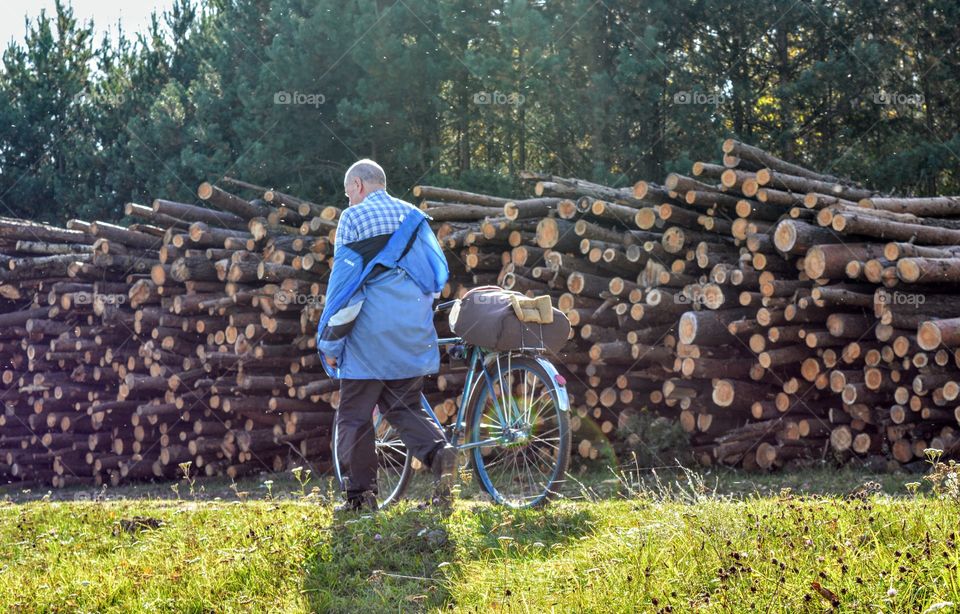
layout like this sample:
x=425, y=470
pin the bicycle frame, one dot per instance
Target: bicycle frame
x=478, y=359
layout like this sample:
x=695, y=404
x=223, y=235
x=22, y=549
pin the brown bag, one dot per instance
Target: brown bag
x=499, y=319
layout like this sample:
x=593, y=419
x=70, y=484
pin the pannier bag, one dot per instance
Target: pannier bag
x=499, y=319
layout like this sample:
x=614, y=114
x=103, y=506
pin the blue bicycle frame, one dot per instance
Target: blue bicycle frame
x=478, y=358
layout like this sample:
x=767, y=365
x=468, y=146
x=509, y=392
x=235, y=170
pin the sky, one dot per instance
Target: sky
x=133, y=14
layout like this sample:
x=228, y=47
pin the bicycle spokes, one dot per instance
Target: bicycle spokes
x=524, y=430
x=391, y=454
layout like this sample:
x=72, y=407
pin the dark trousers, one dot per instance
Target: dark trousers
x=399, y=402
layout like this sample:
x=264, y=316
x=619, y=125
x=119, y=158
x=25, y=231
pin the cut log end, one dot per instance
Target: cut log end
x=814, y=262
x=205, y=191
x=785, y=236
x=841, y=438
x=645, y=218
x=907, y=269
x=548, y=233
x=809, y=369
x=687, y=328
x=929, y=336
x=723, y=393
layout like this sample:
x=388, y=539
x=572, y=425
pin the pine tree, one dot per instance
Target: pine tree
x=44, y=140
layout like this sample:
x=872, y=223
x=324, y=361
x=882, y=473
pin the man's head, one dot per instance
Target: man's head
x=364, y=177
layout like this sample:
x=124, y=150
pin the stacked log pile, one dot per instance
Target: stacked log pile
x=775, y=312
x=186, y=337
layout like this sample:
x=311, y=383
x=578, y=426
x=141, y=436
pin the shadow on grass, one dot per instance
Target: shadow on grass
x=520, y=533
x=399, y=559
x=384, y=562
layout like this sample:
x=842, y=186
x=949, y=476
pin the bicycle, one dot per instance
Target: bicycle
x=518, y=457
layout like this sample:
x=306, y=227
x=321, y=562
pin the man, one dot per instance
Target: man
x=376, y=332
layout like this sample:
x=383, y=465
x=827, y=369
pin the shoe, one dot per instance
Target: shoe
x=365, y=501
x=444, y=468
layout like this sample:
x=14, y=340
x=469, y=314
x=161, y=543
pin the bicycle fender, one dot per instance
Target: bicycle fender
x=563, y=399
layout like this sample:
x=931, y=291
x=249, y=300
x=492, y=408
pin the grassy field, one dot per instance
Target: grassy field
x=676, y=542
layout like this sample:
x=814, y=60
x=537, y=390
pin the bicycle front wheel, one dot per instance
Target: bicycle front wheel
x=524, y=433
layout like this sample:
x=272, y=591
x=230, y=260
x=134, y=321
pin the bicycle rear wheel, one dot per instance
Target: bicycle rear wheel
x=528, y=434
x=394, y=463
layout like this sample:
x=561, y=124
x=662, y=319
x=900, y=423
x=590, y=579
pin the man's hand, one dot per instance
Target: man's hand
x=331, y=361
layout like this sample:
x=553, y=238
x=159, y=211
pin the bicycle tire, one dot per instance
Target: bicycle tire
x=548, y=486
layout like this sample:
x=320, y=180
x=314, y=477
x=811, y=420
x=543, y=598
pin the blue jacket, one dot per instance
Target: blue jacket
x=379, y=324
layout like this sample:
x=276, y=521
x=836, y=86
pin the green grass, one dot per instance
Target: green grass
x=683, y=542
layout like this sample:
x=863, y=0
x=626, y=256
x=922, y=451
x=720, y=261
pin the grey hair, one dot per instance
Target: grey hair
x=367, y=171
